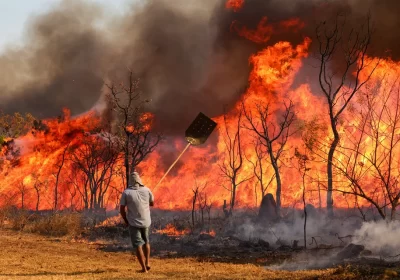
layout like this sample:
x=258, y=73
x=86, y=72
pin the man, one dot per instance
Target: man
x=138, y=199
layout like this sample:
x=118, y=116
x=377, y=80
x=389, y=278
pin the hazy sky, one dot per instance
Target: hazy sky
x=15, y=13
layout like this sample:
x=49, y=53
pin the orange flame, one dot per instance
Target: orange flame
x=235, y=5
x=211, y=232
x=171, y=230
x=272, y=77
x=264, y=31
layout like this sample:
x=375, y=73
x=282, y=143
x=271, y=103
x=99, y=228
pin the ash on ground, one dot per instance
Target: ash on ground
x=245, y=238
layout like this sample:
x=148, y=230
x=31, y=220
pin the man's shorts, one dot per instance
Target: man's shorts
x=139, y=236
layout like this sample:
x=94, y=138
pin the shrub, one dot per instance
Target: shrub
x=52, y=224
x=57, y=225
x=17, y=219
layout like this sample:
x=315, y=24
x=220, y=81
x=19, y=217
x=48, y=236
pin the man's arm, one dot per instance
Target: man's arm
x=122, y=208
x=123, y=213
x=151, y=198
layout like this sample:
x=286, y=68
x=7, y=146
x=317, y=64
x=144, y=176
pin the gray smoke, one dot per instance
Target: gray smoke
x=330, y=236
x=381, y=237
x=183, y=51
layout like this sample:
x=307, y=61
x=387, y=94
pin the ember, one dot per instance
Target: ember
x=170, y=230
x=211, y=232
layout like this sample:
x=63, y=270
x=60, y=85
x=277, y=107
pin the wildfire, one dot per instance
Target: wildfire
x=32, y=178
x=235, y=5
x=211, y=232
x=146, y=123
x=171, y=230
x=264, y=31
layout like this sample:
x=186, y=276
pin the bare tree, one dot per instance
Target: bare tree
x=259, y=168
x=37, y=186
x=369, y=159
x=73, y=192
x=23, y=190
x=232, y=162
x=80, y=182
x=209, y=205
x=339, y=86
x=132, y=125
x=302, y=167
x=198, y=193
x=59, y=165
x=274, y=135
x=202, y=202
x=195, y=194
x=96, y=158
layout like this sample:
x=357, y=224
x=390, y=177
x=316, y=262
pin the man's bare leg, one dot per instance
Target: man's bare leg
x=146, y=249
x=141, y=258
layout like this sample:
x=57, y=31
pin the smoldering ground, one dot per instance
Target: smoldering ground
x=184, y=52
x=327, y=239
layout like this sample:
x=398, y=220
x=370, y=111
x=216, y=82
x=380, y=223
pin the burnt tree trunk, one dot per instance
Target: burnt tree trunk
x=278, y=185
x=332, y=148
x=37, y=200
x=195, y=192
x=233, y=198
x=126, y=159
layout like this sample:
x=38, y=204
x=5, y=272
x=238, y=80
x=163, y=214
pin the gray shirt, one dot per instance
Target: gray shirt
x=138, y=200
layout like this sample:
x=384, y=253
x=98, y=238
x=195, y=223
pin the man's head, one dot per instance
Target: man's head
x=135, y=180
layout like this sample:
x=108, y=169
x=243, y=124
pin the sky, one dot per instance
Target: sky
x=15, y=13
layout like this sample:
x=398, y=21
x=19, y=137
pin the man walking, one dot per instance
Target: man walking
x=138, y=199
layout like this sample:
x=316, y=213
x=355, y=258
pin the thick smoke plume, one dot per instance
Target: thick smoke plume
x=184, y=52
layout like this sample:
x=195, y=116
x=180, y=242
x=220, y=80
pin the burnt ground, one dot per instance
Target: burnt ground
x=215, y=248
x=230, y=246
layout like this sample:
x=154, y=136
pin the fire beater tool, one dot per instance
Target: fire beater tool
x=196, y=134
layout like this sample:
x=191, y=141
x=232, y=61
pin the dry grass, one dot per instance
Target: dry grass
x=57, y=225
x=54, y=224
x=28, y=256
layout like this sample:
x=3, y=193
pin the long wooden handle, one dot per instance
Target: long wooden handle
x=172, y=165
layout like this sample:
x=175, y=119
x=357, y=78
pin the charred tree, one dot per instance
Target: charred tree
x=22, y=188
x=259, y=169
x=202, y=202
x=302, y=160
x=232, y=162
x=198, y=193
x=208, y=205
x=96, y=158
x=131, y=124
x=195, y=193
x=37, y=186
x=59, y=166
x=273, y=134
x=339, y=84
x=370, y=160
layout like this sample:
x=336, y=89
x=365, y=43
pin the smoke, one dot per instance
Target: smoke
x=170, y=45
x=331, y=236
x=325, y=231
x=183, y=51
x=59, y=66
x=381, y=237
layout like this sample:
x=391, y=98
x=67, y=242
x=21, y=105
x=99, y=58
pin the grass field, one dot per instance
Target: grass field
x=29, y=256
